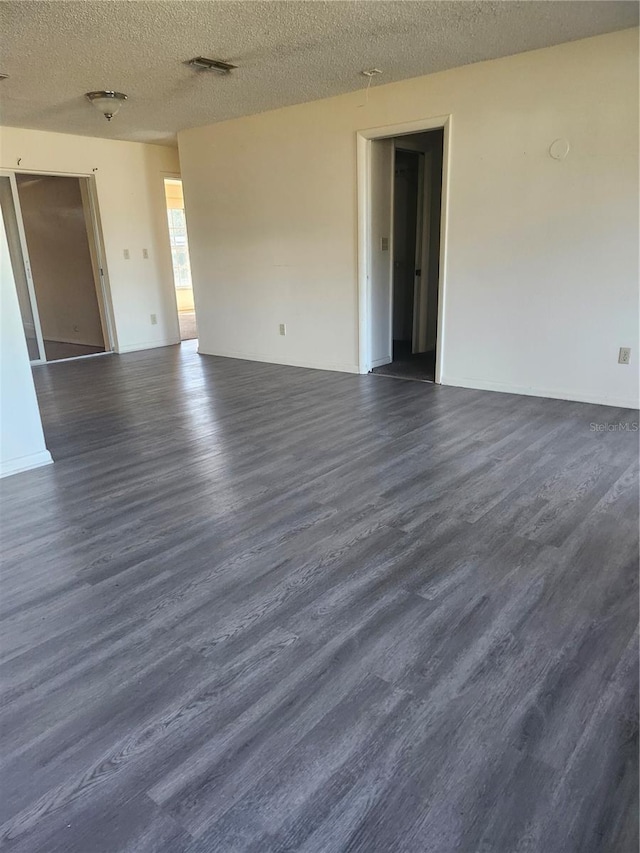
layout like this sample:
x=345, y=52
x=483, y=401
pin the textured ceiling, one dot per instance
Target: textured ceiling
x=287, y=52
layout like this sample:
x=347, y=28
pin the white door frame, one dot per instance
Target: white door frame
x=103, y=290
x=105, y=305
x=364, y=139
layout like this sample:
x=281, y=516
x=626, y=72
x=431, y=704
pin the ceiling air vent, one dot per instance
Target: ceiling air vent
x=211, y=64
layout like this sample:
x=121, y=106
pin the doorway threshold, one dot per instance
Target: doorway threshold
x=420, y=367
x=399, y=375
x=73, y=358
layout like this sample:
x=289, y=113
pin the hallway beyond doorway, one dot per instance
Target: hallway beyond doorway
x=420, y=366
x=180, y=258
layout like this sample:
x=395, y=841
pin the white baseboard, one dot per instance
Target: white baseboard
x=25, y=463
x=270, y=359
x=146, y=345
x=551, y=393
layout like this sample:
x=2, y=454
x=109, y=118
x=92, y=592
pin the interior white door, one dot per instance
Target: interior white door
x=381, y=251
x=19, y=256
x=423, y=248
x=418, y=271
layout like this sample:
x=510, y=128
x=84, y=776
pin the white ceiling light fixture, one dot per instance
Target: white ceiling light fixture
x=107, y=101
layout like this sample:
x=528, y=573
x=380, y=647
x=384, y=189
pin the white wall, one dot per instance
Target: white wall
x=129, y=183
x=542, y=263
x=21, y=439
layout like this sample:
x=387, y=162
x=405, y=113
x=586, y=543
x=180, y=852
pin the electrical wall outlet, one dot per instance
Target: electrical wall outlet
x=126, y=254
x=283, y=328
x=624, y=356
x=145, y=254
x=154, y=319
x=384, y=244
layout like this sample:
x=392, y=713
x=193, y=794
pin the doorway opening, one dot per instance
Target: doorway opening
x=179, y=243
x=54, y=252
x=415, y=250
x=401, y=218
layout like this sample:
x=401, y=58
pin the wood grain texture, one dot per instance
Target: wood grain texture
x=259, y=608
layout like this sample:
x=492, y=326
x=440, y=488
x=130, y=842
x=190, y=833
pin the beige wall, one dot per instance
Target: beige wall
x=56, y=232
x=542, y=255
x=130, y=190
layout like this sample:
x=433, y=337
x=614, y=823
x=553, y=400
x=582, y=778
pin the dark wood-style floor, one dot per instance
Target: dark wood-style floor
x=258, y=608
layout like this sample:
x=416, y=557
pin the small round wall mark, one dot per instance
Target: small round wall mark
x=559, y=149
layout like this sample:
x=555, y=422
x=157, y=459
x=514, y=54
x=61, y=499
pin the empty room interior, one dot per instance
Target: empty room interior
x=319, y=426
